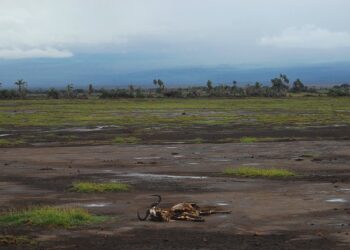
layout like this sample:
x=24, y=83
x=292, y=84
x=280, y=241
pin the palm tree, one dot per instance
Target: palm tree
x=69, y=89
x=21, y=84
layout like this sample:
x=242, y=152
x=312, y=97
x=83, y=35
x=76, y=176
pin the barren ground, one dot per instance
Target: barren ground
x=310, y=211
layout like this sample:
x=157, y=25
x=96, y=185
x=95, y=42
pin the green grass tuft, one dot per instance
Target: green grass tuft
x=6, y=142
x=50, y=216
x=91, y=187
x=258, y=172
x=197, y=140
x=126, y=140
x=248, y=140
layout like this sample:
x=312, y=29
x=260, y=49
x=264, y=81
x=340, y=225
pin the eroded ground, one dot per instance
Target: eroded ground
x=310, y=211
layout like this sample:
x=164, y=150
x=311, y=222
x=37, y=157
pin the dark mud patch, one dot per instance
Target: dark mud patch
x=63, y=184
x=142, y=239
x=220, y=134
x=58, y=184
x=104, y=135
x=333, y=176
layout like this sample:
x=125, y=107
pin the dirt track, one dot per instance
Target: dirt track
x=310, y=211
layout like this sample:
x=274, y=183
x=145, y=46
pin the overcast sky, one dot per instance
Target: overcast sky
x=168, y=33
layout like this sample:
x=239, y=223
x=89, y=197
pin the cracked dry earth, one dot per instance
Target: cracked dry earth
x=310, y=211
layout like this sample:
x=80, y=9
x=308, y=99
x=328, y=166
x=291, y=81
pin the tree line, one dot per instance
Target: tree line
x=280, y=87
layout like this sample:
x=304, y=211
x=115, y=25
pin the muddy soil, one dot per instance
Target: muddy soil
x=310, y=211
x=102, y=135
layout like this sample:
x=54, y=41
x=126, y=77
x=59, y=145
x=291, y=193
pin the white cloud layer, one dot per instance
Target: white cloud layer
x=34, y=53
x=308, y=37
x=177, y=32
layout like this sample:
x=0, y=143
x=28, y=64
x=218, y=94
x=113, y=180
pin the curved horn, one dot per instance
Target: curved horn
x=157, y=202
x=145, y=218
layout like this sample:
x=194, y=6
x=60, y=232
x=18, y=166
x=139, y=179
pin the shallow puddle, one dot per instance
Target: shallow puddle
x=161, y=176
x=178, y=156
x=251, y=164
x=174, y=142
x=96, y=205
x=147, y=158
x=337, y=200
x=221, y=160
x=82, y=129
x=222, y=204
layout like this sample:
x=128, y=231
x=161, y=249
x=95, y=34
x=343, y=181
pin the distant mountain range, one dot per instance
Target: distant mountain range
x=325, y=74
x=43, y=75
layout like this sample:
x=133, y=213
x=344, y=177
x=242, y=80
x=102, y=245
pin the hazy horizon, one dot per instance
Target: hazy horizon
x=47, y=42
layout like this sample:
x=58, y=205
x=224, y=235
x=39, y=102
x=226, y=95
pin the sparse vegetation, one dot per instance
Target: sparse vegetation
x=197, y=140
x=7, y=142
x=148, y=112
x=258, y=172
x=126, y=140
x=248, y=140
x=135, y=120
x=91, y=187
x=50, y=216
x=307, y=155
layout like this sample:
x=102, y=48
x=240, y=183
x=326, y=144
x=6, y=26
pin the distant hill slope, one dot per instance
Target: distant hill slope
x=39, y=73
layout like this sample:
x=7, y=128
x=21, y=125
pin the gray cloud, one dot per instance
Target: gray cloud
x=34, y=53
x=177, y=32
x=308, y=37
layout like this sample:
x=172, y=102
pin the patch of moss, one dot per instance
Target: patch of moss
x=197, y=140
x=7, y=142
x=90, y=187
x=126, y=140
x=258, y=172
x=248, y=140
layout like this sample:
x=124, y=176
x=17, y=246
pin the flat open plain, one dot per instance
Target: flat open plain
x=179, y=149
